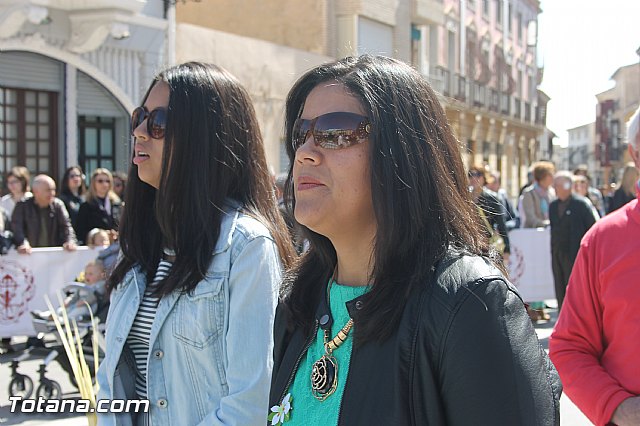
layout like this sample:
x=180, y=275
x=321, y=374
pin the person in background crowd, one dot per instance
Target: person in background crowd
x=5, y=222
x=607, y=195
x=109, y=256
x=107, y=244
x=81, y=300
x=18, y=186
x=581, y=188
x=596, y=341
x=394, y=316
x=102, y=208
x=98, y=238
x=119, y=184
x=537, y=197
x=490, y=210
x=530, y=182
x=535, y=202
x=570, y=216
x=511, y=218
x=193, y=296
x=93, y=277
x=627, y=190
x=593, y=194
x=42, y=220
x=72, y=193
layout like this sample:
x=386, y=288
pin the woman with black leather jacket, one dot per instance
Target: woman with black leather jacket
x=72, y=193
x=395, y=314
x=102, y=208
x=490, y=210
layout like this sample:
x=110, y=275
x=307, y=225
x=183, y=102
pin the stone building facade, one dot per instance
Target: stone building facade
x=71, y=71
x=615, y=107
x=479, y=54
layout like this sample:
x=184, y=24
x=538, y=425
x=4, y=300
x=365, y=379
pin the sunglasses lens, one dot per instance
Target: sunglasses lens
x=300, y=131
x=137, y=117
x=157, y=123
x=338, y=130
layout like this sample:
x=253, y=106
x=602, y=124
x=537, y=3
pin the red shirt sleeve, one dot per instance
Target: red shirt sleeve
x=577, y=344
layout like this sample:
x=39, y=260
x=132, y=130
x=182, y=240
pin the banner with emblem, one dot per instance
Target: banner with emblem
x=530, y=264
x=26, y=279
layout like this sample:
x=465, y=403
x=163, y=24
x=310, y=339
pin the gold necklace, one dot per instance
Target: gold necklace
x=324, y=373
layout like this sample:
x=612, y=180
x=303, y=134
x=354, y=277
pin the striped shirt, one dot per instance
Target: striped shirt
x=138, y=339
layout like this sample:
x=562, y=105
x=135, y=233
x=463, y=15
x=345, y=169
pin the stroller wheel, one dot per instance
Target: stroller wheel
x=49, y=389
x=21, y=386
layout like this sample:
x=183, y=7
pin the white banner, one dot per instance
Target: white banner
x=530, y=264
x=26, y=279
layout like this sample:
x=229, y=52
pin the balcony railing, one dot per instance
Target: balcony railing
x=435, y=79
x=505, y=103
x=461, y=88
x=494, y=100
x=478, y=95
x=443, y=76
x=479, y=92
x=446, y=77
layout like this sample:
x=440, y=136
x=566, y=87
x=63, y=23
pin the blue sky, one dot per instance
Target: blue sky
x=581, y=44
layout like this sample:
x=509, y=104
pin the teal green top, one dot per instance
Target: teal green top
x=305, y=408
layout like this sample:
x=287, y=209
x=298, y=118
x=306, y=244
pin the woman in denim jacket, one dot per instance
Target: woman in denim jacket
x=203, y=246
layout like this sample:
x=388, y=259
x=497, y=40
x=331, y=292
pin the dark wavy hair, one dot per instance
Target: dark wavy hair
x=213, y=151
x=419, y=187
x=65, y=181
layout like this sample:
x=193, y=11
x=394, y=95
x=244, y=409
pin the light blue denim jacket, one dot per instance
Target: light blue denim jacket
x=211, y=350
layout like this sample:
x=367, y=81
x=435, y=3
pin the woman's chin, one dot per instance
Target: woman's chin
x=308, y=217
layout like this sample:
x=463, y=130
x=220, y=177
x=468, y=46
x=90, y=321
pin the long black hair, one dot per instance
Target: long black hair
x=419, y=188
x=65, y=181
x=213, y=151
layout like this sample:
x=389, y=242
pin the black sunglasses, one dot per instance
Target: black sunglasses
x=334, y=130
x=156, y=121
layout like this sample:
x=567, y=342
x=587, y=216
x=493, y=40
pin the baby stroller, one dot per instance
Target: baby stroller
x=22, y=385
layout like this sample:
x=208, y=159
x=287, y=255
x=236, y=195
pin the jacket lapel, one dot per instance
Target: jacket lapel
x=164, y=309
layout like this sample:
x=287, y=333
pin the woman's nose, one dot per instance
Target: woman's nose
x=308, y=151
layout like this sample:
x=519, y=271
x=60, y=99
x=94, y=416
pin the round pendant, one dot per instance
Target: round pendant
x=324, y=377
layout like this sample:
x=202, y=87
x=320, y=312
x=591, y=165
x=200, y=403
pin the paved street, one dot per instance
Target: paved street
x=570, y=415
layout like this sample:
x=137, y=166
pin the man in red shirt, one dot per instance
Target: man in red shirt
x=596, y=343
